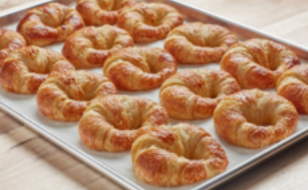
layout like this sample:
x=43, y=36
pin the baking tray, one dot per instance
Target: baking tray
x=118, y=166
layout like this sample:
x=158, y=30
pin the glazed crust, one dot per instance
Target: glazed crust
x=149, y=22
x=194, y=94
x=90, y=46
x=293, y=86
x=26, y=68
x=258, y=63
x=253, y=118
x=198, y=43
x=100, y=12
x=49, y=23
x=9, y=40
x=65, y=95
x=177, y=155
x=114, y=122
x=139, y=68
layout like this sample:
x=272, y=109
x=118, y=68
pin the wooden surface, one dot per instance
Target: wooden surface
x=28, y=161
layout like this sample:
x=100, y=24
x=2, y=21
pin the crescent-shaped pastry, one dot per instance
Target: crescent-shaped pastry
x=26, y=68
x=9, y=40
x=198, y=43
x=139, y=68
x=177, y=155
x=147, y=22
x=65, y=95
x=114, y=122
x=293, y=86
x=258, y=63
x=100, y=12
x=194, y=94
x=49, y=23
x=90, y=47
x=253, y=118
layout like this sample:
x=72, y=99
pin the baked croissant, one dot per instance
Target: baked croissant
x=293, y=86
x=253, y=118
x=139, y=68
x=177, y=155
x=49, y=23
x=194, y=94
x=90, y=47
x=100, y=12
x=147, y=22
x=198, y=43
x=26, y=68
x=258, y=63
x=9, y=40
x=65, y=95
x=114, y=122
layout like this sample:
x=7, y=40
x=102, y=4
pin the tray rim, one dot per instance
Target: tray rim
x=105, y=170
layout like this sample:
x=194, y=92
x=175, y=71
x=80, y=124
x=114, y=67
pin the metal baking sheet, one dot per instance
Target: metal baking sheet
x=118, y=166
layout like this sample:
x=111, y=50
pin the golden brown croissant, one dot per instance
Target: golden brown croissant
x=100, y=12
x=90, y=46
x=147, y=22
x=65, y=95
x=198, y=43
x=253, y=118
x=114, y=122
x=26, y=68
x=139, y=68
x=194, y=94
x=258, y=63
x=177, y=155
x=49, y=23
x=293, y=86
x=9, y=40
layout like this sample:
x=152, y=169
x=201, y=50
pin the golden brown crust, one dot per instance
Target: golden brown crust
x=49, y=23
x=177, y=155
x=139, y=68
x=9, y=40
x=293, y=86
x=26, y=68
x=147, y=22
x=253, y=118
x=113, y=123
x=198, y=43
x=100, y=12
x=194, y=94
x=65, y=95
x=90, y=46
x=258, y=63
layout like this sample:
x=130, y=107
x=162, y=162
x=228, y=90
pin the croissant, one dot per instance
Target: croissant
x=49, y=23
x=258, y=63
x=194, y=94
x=100, y=12
x=139, y=68
x=9, y=40
x=177, y=155
x=65, y=95
x=293, y=86
x=90, y=46
x=148, y=22
x=253, y=118
x=198, y=43
x=26, y=68
x=114, y=122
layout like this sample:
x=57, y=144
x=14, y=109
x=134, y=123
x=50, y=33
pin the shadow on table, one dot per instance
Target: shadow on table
x=291, y=163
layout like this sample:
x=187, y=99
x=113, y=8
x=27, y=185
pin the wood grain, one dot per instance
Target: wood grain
x=28, y=161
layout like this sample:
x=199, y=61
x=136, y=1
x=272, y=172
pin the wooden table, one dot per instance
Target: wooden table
x=28, y=161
